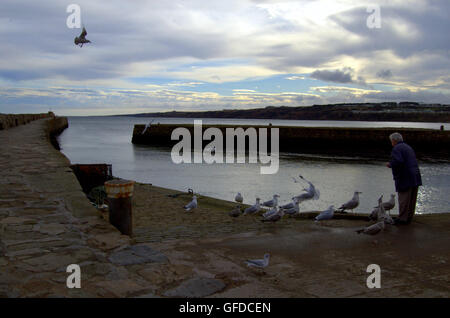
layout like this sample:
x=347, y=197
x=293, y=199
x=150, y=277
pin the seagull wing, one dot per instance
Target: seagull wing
x=256, y=262
x=83, y=33
x=190, y=205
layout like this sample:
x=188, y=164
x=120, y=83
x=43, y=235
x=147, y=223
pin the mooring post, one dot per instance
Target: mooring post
x=119, y=193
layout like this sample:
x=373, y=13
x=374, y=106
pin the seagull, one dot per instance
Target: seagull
x=191, y=205
x=273, y=202
x=389, y=205
x=236, y=211
x=289, y=205
x=381, y=212
x=295, y=209
x=80, y=40
x=311, y=192
x=374, y=214
x=259, y=263
x=326, y=214
x=239, y=198
x=352, y=204
x=274, y=217
x=254, y=208
x=146, y=127
x=372, y=229
x=379, y=226
x=270, y=212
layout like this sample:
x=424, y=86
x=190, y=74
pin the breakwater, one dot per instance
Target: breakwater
x=373, y=142
x=13, y=120
x=54, y=127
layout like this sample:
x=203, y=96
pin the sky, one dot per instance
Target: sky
x=191, y=55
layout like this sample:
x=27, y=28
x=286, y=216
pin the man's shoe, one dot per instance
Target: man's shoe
x=397, y=221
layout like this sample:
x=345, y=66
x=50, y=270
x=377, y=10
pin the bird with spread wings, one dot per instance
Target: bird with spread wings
x=80, y=40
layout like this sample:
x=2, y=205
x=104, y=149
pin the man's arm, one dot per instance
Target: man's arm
x=396, y=158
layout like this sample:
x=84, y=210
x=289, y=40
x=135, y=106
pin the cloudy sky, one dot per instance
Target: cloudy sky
x=152, y=55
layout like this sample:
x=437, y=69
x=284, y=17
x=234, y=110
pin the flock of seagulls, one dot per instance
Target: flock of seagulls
x=379, y=214
x=276, y=212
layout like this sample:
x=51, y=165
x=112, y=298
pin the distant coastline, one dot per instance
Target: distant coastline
x=388, y=111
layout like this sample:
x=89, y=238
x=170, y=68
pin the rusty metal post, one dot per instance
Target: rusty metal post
x=119, y=198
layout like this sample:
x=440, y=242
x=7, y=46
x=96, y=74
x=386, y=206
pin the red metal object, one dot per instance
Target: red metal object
x=92, y=175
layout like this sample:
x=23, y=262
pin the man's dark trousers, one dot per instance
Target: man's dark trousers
x=407, y=204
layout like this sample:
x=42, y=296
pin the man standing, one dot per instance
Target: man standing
x=406, y=173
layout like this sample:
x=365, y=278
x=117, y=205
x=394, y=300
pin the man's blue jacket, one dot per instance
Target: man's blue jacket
x=404, y=167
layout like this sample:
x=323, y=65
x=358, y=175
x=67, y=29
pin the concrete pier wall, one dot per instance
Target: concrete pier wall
x=428, y=143
x=12, y=120
x=56, y=126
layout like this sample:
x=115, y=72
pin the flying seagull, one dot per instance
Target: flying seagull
x=311, y=192
x=147, y=126
x=352, y=204
x=191, y=205
x=80, y=40
x=259, y=263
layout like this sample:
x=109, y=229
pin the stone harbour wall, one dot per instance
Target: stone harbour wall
x=13, y=120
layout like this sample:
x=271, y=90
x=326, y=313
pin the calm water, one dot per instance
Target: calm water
x=108, y=140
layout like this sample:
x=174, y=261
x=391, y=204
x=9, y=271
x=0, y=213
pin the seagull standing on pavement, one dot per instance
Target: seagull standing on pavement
x=326, y=215
x=238, y=198
x=295, y=209
x=254, y=208
x=259, y=263
x=191, y=205
x=274, y=217
x=352, y=204
x=389, y=205
x=273, y=202
x=379, y=226
x=236, y=211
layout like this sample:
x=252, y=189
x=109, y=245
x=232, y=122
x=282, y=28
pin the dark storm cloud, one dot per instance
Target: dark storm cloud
x=336, y=76
x=384, y=74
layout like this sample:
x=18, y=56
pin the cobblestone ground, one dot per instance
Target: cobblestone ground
x=46, y=224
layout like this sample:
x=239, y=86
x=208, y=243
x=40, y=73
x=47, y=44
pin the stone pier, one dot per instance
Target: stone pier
x=47, y=223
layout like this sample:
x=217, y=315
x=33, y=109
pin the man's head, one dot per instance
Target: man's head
x=395, y=138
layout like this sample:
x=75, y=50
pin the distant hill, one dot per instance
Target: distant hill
x=389, y=111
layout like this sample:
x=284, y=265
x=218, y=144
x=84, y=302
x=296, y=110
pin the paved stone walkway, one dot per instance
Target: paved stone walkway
x=46, y=224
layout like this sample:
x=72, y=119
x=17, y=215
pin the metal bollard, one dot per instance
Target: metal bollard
x=119, y=198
